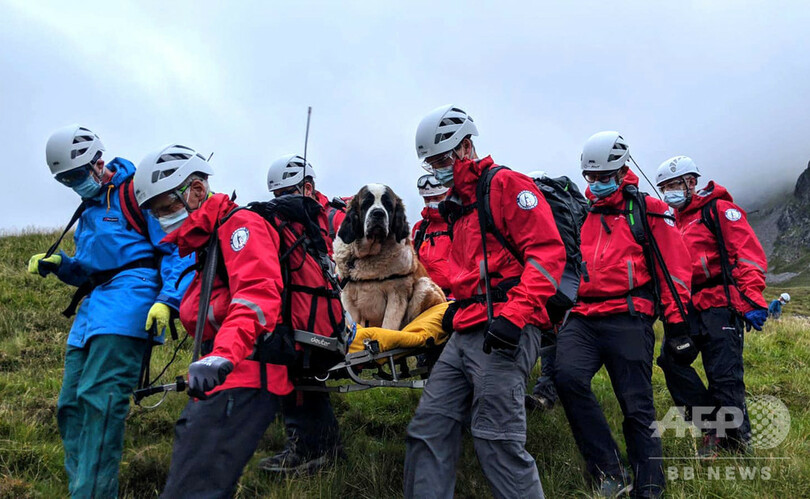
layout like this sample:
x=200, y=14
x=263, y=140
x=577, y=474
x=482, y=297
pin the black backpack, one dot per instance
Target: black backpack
x=422, y=234
x=569, y=208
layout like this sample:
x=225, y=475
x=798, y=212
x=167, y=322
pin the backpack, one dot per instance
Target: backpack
x=569, y=208
x=635, y=211
x=335, y=205
x=316, y=352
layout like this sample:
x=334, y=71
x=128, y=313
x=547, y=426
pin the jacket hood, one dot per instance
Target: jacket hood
x=617, y=198
x=465, y=177
x=200, y=224
x=703, y=196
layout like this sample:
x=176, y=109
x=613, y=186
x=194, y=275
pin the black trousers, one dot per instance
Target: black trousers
x=310, y=422
x=718, y=334
x=214, y=439
x=624, y=345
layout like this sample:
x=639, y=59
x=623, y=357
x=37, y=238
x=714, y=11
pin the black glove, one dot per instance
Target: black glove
x=678, y=343
x=447, y=320
x=208, y=373
x=501, y=334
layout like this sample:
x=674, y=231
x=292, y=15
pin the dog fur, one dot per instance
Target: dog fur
x=386, y=284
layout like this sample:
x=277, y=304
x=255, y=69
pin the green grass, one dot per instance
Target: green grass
x=373, y=423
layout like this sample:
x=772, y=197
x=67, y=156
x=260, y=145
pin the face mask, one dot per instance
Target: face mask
x=173, y=222
x=676, y=199
x=444, y=176
x=88, y=188
x=433, y=206
x=603, y=189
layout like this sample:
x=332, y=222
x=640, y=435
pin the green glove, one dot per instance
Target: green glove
x=38, y=264
x=159, y=314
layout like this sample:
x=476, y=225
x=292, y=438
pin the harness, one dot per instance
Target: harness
x=636, y=213
x=422, y=234
x=135, y=221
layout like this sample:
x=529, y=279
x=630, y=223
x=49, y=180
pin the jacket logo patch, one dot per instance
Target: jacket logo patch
x=239, y=238
x=670, y=221
x=110, y=219
x=733, y=214
x=526, y=200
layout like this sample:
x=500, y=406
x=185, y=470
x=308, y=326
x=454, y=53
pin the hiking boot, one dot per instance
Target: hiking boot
x=710, y=447
x=615, y=486
x=538, y=403
x=290, y=462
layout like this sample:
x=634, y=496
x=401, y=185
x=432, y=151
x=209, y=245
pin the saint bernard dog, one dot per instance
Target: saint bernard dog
x=385, y=284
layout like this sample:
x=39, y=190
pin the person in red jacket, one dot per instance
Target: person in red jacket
x=720, y=306
x=217, y=434
x=480, y=377
x=431, y=236
x=313, y=436
x=611, y=323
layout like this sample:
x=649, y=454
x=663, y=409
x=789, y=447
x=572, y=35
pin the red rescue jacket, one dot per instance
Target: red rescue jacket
x=522, y=215
x=613, y=262
x=435, y=248
x=748, y=261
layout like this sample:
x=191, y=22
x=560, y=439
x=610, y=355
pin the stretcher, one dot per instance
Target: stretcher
x=379, y=357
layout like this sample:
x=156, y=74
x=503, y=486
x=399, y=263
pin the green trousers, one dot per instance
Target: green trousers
x=93, y=405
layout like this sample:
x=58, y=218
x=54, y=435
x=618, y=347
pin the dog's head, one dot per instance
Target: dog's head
x=375, y=213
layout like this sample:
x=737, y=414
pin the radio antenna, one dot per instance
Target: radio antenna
x=645, y=177
x=306, y=136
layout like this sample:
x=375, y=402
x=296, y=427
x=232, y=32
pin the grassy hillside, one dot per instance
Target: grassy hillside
x=32, y=344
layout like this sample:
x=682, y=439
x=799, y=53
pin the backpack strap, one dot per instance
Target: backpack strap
x=482, y=197
x=419, y=237
x=129, y=206
x=73, y=219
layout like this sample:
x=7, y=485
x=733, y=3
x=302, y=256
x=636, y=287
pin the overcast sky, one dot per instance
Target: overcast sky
x=725, y=82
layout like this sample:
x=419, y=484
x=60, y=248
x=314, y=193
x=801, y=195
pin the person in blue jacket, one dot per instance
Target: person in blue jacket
x=775, y=308
x=127, y=280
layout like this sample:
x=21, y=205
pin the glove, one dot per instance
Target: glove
x=38, y=264
x=159, y=314
x=208, y=373
x=757, y=318
x=678, y=343
x=501, y=334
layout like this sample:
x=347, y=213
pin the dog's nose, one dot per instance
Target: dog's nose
x=377, y=213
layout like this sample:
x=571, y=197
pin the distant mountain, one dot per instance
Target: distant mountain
x=783, y=227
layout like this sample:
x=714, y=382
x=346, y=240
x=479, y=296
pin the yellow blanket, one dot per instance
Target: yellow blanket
x=428, y=324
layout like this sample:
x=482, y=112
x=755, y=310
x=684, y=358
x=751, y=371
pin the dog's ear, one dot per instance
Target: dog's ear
x=350, y=228
x=399, y=226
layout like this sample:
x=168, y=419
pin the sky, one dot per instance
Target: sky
x=725, y=82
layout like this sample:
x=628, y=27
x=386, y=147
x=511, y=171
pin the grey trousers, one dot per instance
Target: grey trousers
x=487, y=392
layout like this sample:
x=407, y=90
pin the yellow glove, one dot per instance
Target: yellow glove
x=51, y=264
x=160, y=314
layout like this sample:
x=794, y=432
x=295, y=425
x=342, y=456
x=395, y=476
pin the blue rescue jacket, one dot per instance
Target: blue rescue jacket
x=775, y=309
x=103, y=242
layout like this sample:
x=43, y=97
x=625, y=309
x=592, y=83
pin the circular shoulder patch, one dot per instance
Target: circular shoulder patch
x=526, y=200
x=733, y=214
x=670, y=221
x=239, y=238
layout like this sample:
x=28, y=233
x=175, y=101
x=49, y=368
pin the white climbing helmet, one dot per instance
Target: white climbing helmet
x=428, y=186
x=674, y=168
x=287, y=171
x=442, y=130
x=604, y=152
x=785, y=297
x=71, y=147
x=165, y=170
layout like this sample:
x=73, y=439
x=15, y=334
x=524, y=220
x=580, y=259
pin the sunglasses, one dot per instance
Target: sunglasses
x=76, y=176
x=602, y=177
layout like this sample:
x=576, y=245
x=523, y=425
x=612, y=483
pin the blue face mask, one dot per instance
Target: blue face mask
x=603, y=189
x=676, y=199
x=444, y=176
x=88, y=188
